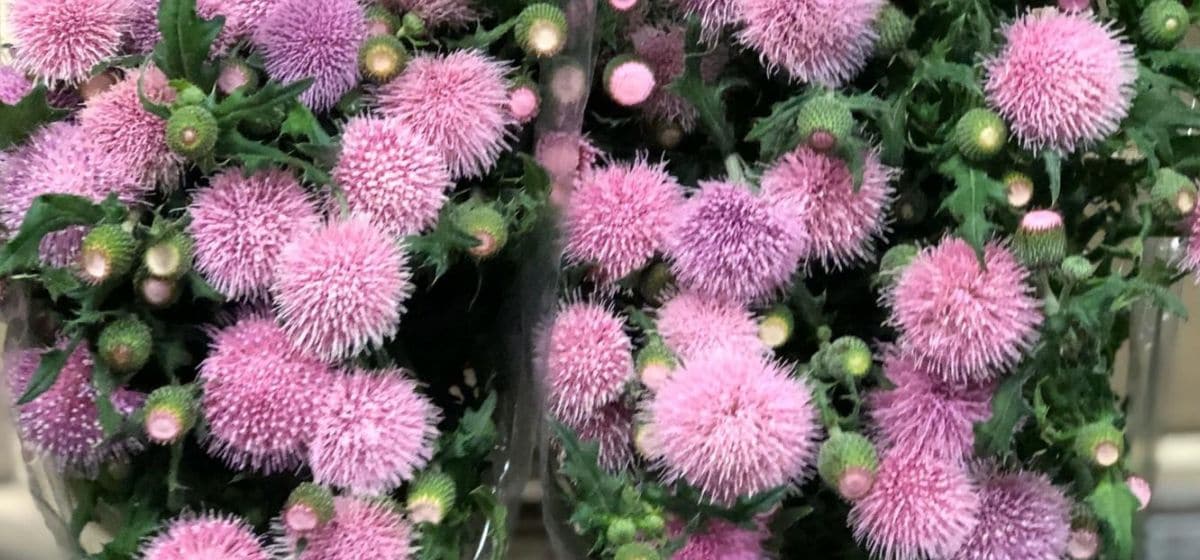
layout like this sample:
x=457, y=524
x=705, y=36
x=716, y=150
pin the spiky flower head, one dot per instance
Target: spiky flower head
x=894, y=262
x=629, y=80
x=720, y=540
x=486, y=224
x=776, y=326
x=848, y=357
x=662, y=49
x=918, y=507
x=714, y=15
x=693, y=325
x=815, y=41
x=1173, y=195
x=894, y=27
x=169, y=413
x=170, y=256
x=1041, y=240
x=1022, y=516
x=308, y=507
x=1018, y=188
x=381, y=58
x=636, y=551
x=236, y=74
x=733, y=424
x=979, y=134
x=964, y=321
x=1164, y=23
x=1048, y=58
x=731, y=244
x=436, y=13
x=847, y=463
x=341, y=288
x=588, y=359
x=125, y=344
x=61, y=40
x=1077, y=268
x=825, y=122
x=1100, y=442
x=361, y=528
x=260, y=395
x=610, y=427
x=816, y=191
x=125, y=137
x=541, y=30
x=203, y=537
x=1140, y=490
x=106, y=252
x=320, y=40
x=459, y=103
x=14, y=86
x=430, y=497
x=524, y=100
x=620, y=215
x=655, y=363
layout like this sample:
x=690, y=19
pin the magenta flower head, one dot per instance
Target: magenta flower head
x=815, y=41
x=361, y=528
x=14, y=86
x=731, y=244
x=629, y=80
x=693, y=325
x=1048, y=58
x=125, y=136
x=392, y=175
x=733, y=424
x=341, y=288
x=260, y=395
x=373, y=433
x=962, y=321
x=436, y=13
x=319, y=40
x=241, y=224
x=588, y=359
x=61, y=40
x=918, y=508
x=662, y=49
x=720, y=540
x=459, y=103
x=620, y=215
x=205, y=537
x=714, y=15
x=1022, y=516
x=524, y=102
x=818, y=190
x=611, y=427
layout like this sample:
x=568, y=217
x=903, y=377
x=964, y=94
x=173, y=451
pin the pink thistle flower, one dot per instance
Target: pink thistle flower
x=341, y=288
x=732, y=425
x=360, y=529
x=629, y=81
x=1074, y=5
x=435, y=13
x=816, y=41
x=61, y=40
x=391, y=175
x=1140, y=489
x=566, y=157
x=260, y=395
x=1189, y=261
x=523, y=103
x=818, y=190
x=588, y=359
x=63, y=423
x=304, y=39
x=610, y=426
x=622, y=5
x=693, y=325
x=14, y=86
x=714, y=15
x=620, y=216
x=732, y=244
x=918, y=508
x=459, y=103
x=205, y=537
x=962, y=322
x=663, y=50
x=720, y=540
x=924, y=418
x=125, y=136
x=1048, y=59
x=1022, y=516
x=374, y=432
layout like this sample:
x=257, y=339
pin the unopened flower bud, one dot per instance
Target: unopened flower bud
x=309, y=507
x=125, y=344
x=980, y=134
x=431, y=497
x=1041, y=240
x=1101, y=443
x=1164, y=23
x=381, y=58
x=106, y=252
x=848, y=463
x=655, y=363
x=629, y=80
x=776, y=327
x=541, y=30
x=170, y=412
x=824, y=122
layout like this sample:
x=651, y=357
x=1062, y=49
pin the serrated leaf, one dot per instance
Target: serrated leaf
x=1053, y=163
x=302, y=124
x=105, y=384
x=255, y=155
x=891, y=118
x=1114, y=505
x=201, y=289
x=440, y=248
x=48, y=213
x=60, y=282
x=974, y=195
x=483, y=38
x=186, y=43
x=994, y=437
x=935, y=70
x=1183, y=59
x=777, y=133
x=707, y=99
x=241, y=105
x=476, y=433
x=18, y=122
x=47, y=371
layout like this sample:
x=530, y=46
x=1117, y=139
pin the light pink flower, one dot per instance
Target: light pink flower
x=61, y=40
x=588, y=358
x=1022, y=516
x=720, y=540
x=452, y=13
x=693, y=325
x=361, y=529
x=205, y=537
x=816, y=41
x=125, y=136
x=611, y=427
x=304, y=39
x=14, y=86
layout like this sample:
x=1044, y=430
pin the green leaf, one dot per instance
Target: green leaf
x=1054, y=171
x=777, y=133
x=441, y=247
x=476, y=434
x=301, y=123
x=708, y=100
x=47, y=371
x=60, y=282
x=241, y=106
x=186, y=43
x=891, y=117
x=497, y=516
x=202, y=290
x=483, y=38
x=105, y=384
x=138, y=518
x=1114, y=505
x=974, y=195
x=994, y=437
x=255, y=155
x=48, y=213
x=1183, y=59
x=935, y=70
x=18, y=122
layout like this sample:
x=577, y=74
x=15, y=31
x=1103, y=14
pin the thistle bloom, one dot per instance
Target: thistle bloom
x=14, y=86
x=361, y=528
x=918, y=508
x=124, y=136
x=241, y=224
x=206, y=536
x=818, y=191
x=611, y=427
x=693, y=325
x=61, y=40
x=1022, y=516
x=720, y=540
x=1048, y=58
x=341, y=288
x=663, y=50
x=320, y=40
x=260, y=395
x=620, y=216
x=714, y=15
x=733, y=424
x=373, y=432
x=816, y=41
x=459, y=103
x=588, y=358
x=965, y=322
x=731, y=244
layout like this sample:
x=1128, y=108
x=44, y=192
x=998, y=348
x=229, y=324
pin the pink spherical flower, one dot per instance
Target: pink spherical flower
x=320, y=40
x=622, y=5
x=523, y=103
x=714, y=15
x=63, y=39
x=611, y=427
x=260, y=396
x=693, y=325
x=374, y=431
x=14, y=86
x=1048, y=59
x=588, y=359
x=1022, y=516
x=1140, y=489
x=391, y=175
x=459, y=103
x=206, y=537
x=720, y=540
x=452, y=13
x=733, y=424
x=126, y=136
x=731, y=244
x=662, y=49
x=241, y=224
x=925, y=418
x=818, y=190
x=817, y=41
x=361, y=529
x=629, y=82
x=620, y=215
x=962, y=321
x=918, y=508
x=341, y=288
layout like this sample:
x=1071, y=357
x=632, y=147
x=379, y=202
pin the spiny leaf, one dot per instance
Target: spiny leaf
x=105, y=384
x=47, y=371
x=255, y=155
x=1054, y=171
x=1115, y=505
x=301, y=123
x=934, y=70
x=202, y=290
x=241, y=106
x=708, y=100
x=48, y=213
x=973, y=196
x=483, y=38
x=993, y=438
x=186, y=43
x=891, y=117
x=777, y=133
x=18, y=122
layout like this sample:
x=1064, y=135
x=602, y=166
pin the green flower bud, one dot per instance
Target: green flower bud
x=381, y=58
x=636, y=551
x=980, y=134
x=1078, y=268
x=655, y=282
x=621, y=531
x=192, y=132
x=655, y=363
x=1101, y=443
x=411, y=25
x=848, y=357
x=189, y=96
x=1018, y=188
x=1164, y=23
x=1173, y=195
x=125, y=344
x=170, y=412
x=169, y=257
x=652, y=524
x=825, y=122
x=308, y=507
x=381, y=21
x=847, y=463
x=541, y=30
x=893, y=263
x=431, y=497
x=106, y=252
x=1041, y=240
x=894, y=28
x=776, y=327
x=486, y=224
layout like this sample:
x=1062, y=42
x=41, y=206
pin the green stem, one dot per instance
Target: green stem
x=735, y=168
